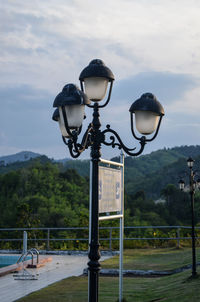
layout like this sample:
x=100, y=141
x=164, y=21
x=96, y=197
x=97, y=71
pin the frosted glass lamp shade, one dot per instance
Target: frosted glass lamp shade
x=62, y=127
x=190, y=162
x=95, y=78
x=181, y=185
x=146, y=121
x=95, y=88
x=75, y=115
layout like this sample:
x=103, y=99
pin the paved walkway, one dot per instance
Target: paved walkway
x=61, y=267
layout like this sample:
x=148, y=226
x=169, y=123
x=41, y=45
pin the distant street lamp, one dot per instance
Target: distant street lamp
x=194, y=184
x=95, y=80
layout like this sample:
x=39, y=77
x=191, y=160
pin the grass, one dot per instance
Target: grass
x=155, y=259
x=174, y=288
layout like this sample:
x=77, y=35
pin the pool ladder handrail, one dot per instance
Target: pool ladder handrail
x=36, y=252
x=31, y=251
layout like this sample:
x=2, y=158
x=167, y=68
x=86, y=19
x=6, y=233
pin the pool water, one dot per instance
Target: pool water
x=9, y=260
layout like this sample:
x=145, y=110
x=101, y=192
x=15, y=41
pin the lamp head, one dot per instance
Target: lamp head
x=181, y=185
x=95, y=78
x=96, y=69
x=70, y=103
x=71, y=95
x=148, y=112
x=190, y=162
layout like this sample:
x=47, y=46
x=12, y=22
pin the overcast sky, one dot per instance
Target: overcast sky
x=150, y=45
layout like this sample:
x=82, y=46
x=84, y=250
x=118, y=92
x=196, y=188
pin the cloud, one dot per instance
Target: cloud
x=171, y=90
x=59, y=38
x=25, y=116
x=26, y=113
x=165, y=85
x=150, y=45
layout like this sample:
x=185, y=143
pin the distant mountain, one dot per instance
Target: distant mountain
x=149, y=163
x=149, y=173
x=81, y=166
x=62, y=161
x=18, y=157
x=152, y=172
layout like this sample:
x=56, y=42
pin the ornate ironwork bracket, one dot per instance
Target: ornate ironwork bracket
x=76, y=148
x=115, y=141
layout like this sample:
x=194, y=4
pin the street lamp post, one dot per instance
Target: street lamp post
x=193, y=185
x=95, y=80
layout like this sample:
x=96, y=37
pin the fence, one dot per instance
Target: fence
x=109, y=236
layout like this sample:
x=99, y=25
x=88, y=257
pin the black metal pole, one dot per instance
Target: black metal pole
x=94, y=254
x=193, y=230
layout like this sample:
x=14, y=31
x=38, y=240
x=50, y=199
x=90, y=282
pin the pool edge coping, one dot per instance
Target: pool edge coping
x=19, y=266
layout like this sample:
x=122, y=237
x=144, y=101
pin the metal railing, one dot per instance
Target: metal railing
x=31, y=252
x=111, y=234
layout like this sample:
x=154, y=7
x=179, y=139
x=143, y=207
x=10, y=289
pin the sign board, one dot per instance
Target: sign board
x=111, y=199
x=109, y=189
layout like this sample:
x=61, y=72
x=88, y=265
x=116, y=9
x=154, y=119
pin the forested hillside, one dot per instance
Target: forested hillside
x=41, y=195
x=138, y=166
x=47, y=194
x=144, y=165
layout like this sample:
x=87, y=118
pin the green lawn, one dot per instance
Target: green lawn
x=155, y=259
x=174, y=288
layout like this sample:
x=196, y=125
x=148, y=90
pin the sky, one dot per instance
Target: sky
x=150, y=46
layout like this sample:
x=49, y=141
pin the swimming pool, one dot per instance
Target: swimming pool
x=9, y=260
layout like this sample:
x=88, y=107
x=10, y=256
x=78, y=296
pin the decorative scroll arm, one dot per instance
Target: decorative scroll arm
x=76, y=148
x=115, y=141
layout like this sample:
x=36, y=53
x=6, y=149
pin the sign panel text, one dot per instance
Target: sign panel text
x=109, y=190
